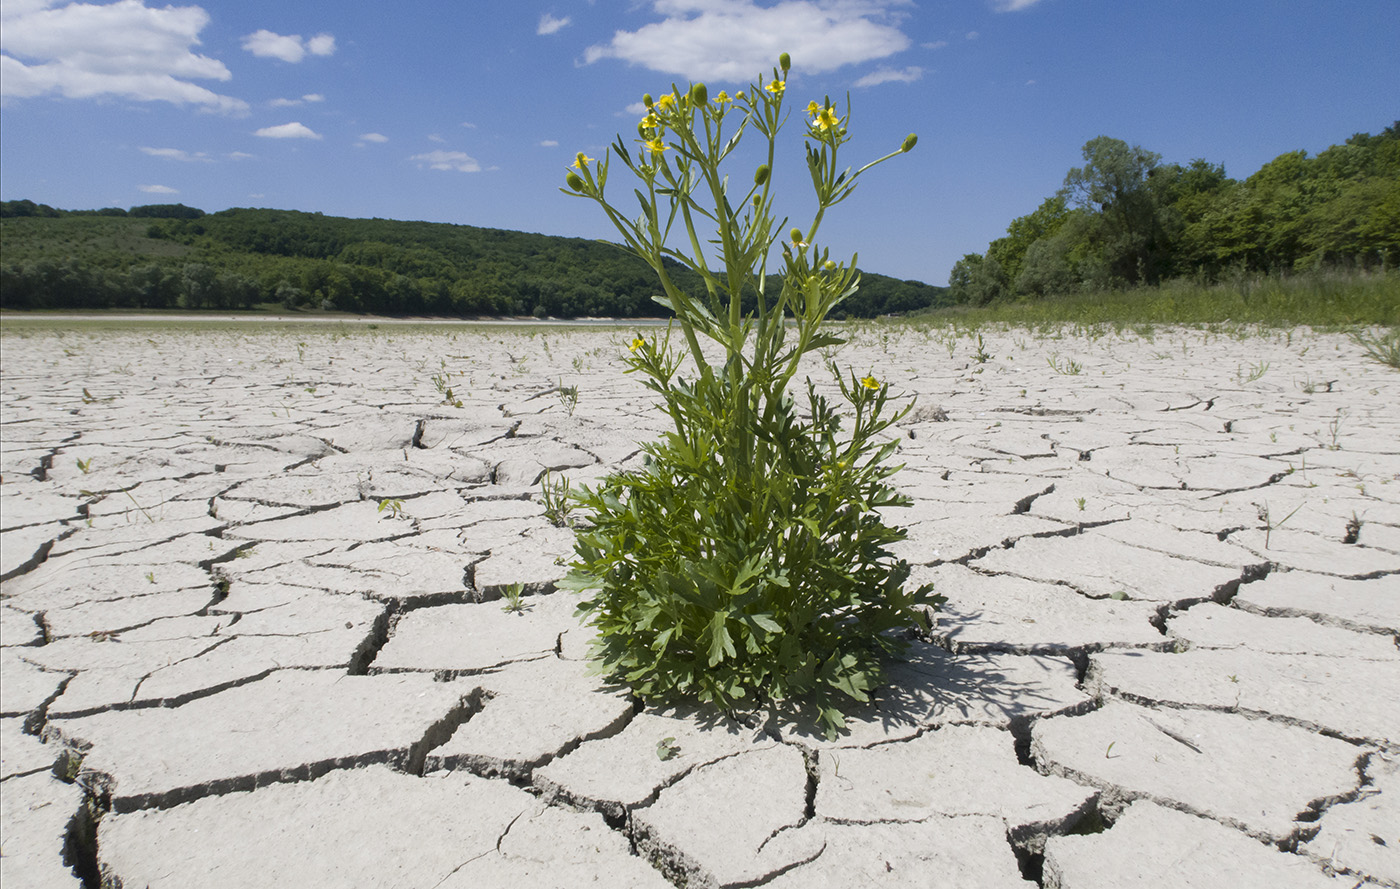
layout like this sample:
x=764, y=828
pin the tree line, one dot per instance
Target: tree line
x=1126, y=219
x=166, y=256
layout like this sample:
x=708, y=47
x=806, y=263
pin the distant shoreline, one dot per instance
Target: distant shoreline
x=362, y=320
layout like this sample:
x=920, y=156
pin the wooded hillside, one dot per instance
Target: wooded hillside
x=1126, y=219
x=171, y=256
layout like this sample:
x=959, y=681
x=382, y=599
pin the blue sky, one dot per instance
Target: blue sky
x=469, y=112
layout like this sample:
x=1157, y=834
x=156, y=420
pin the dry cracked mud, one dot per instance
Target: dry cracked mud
x=252, y=606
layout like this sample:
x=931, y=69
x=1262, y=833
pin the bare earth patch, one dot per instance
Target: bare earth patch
x=251, y=599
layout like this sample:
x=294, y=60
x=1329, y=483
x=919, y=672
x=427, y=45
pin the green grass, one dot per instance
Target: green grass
x=1324, y=300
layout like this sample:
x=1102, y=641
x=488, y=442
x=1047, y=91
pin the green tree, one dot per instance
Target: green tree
x=1114, y=182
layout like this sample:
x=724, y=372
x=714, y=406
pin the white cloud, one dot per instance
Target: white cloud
x=890, y=75
x=973, y=35
x=177, y=154
x=448, y=160
x=293, y=130
x=292, y=103
x=374, y=137
x=734, y=40
x=937, y=44
x=321, y=45
x=123, y=49
x=288, y=47
x=240, y=156
x=551, y=25
x=1012, y=5
x=158, y=189
x=550, y=143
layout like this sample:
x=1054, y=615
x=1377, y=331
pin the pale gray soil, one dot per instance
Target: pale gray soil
x=251, y=581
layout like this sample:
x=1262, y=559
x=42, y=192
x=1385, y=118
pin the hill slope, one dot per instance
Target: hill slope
x=171, y=256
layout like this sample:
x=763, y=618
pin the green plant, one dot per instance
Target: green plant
x=1382, y=347
x=84, y=466
x=667, y=748
x=515, y=599
x=1269, y=524
x=1070, y=367
x=982, y=356
x=1256, y=371
x=555, y=496
x=568, y=397
x=392, y=506
x=745, y=561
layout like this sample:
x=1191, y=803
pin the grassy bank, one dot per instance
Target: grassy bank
x=1323, y=300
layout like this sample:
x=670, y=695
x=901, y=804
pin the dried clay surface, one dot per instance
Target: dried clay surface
x=256, y=589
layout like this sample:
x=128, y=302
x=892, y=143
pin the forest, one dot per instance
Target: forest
x=1127, y=220
x=169, y=256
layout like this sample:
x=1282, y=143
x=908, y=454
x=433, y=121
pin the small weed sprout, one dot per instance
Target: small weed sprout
x=1384, y=348
x=393, y=506
x=1256, y=372
x=554, y=493
x=1334, y=430
x=515, y=599
x=1269, y=524
x=84, y=466
x=568, y=397
x=982, y=356
x=667, y=748
x=1080, y=502
x=1070, y=367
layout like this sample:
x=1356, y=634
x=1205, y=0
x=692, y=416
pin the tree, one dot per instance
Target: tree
x=1010, y=251
x=1114, y=181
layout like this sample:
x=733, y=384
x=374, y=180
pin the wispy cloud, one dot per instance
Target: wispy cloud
x=124, y=49
x=732, y=40
x=158, y=189
x=293, y=130
x=287, y=47
x=890, y=75
x=550, y=143
x=937, y=44
x=374, y=137
x=292, y=103
x=1012, y=5
x=448, y=160
x=551, y=25
x=178, y=154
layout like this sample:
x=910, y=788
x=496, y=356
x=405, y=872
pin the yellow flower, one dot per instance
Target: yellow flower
x=722, y=98
x=826, y=119
x=870, y=382
x=582, y=161
x=636, y=344
x=776, y=87
x=813, y=108
x=656, y=146
x=666, y=101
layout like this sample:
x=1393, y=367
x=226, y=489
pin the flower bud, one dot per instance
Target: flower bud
x=646, y=99
x=785, y=61
x=909, y=142
x=829, y=265
x=574, y=181
x=760, y=175
x=796, y=235
x=698, y=94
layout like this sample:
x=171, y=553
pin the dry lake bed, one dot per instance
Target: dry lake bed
x=253, y=627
